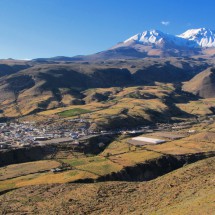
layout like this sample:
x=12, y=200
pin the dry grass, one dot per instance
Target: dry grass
x=134, y=157
x=201, y=142
x=102, y=168
x=96, y=164
x=50, y=178
x=117, y=147
x=136, y=100
x=200, y=107
x=189, y=191
x=128, y=107
x=45, y=178
x=16, y=170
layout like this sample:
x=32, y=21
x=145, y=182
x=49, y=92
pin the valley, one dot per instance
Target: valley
x=35, y=183
x=109, y=156
x=125, y=130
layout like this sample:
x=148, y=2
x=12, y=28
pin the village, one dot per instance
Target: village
x=29, y=134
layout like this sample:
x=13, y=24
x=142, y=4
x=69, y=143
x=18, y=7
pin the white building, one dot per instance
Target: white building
x=141, y=141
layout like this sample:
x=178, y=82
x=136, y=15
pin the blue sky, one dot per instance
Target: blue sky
x=46, y=28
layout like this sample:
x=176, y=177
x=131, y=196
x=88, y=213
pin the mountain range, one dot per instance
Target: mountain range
x=194, y=38
x=153, y=84
x=154, y=43
x=144, y=59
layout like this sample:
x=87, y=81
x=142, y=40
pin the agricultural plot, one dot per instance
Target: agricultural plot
x=73, y=112
x=16, y=170
x=45, y=178
x=92, y=107
x=134, y=157
x=97, y=165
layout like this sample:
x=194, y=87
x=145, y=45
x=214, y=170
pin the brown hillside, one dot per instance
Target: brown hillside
x=189, y=190
x=202, y=84
x=47, y=86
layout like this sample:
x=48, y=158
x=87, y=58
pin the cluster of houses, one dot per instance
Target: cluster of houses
x=25, y=134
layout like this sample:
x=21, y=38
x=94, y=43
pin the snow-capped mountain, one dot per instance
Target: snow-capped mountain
x=156, y=44
x=192, y=38
x=202, y=37
x=157, y=37
x=146, y=37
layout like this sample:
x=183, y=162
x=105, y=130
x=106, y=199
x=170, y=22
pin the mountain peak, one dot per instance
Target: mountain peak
x=157, y=37
x=155, y=43
x=149, y=36
x=192, y=38
x=203, y=37
x=200, y=31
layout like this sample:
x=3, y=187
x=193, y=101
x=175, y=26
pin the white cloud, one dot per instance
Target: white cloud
x=165, y=23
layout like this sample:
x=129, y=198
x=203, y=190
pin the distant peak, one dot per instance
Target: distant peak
x=203, y=37
x=198, y=31
x=148, y=36
x=154, y=31
x=199, y=37
x=156, y=37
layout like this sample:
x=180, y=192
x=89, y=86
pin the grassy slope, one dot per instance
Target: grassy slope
x=189, y=190
x=16, y=170
x=50, y=86
x=114, y=107
x=123, y=107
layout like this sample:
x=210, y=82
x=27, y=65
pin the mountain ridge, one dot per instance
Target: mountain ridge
x=194, y=38
x=158, y=38
x=154, y=44
x=203, y=37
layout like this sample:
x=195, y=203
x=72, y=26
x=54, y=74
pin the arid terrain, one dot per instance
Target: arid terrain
x=107, y=107
x=171, y=178
x=189, y=190
x=67, y=137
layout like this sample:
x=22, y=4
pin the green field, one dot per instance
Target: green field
x=97, y=165
x=73, y=112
